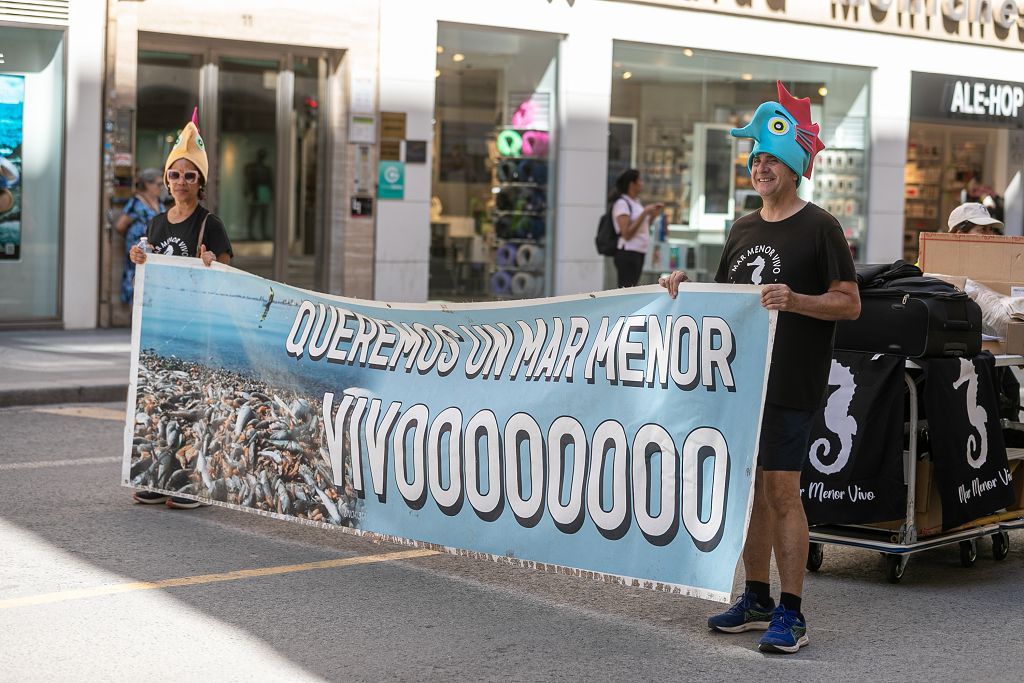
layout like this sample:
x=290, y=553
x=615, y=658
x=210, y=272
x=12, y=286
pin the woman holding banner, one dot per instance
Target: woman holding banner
x=188, y=229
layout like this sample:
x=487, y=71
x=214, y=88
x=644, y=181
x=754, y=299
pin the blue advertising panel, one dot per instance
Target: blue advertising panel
x=611, y=433
x=12, y=105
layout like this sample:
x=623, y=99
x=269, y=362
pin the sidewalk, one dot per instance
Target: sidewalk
x=60, y=366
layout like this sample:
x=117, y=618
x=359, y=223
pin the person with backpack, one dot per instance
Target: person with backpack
x=632, y=222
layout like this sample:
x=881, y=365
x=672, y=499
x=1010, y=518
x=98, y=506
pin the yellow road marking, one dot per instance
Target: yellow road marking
x=114, y=589
x=94, y=412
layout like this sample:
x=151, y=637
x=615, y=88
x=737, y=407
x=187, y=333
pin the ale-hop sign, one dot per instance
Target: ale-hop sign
x=610, y=434
x=940, y=98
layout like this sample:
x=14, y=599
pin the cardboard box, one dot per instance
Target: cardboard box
x=995, y=261
x=927, y=504
x=1017, y=472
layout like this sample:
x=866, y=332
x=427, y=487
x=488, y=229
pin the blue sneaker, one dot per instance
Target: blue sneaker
x=746, y=615
x=787, y=633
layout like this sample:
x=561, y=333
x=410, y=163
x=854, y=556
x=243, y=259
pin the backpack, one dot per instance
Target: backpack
x=607, y=240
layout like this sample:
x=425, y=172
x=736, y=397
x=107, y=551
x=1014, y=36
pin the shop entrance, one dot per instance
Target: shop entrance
x=683, y=103
x=491, y=224
x=949, y=164
x=261, y=116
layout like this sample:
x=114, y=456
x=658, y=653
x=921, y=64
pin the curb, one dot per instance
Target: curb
x=103, y=393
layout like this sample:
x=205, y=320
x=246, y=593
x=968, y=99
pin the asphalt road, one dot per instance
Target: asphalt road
x=93, y=587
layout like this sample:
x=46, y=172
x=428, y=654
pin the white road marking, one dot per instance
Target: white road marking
x=70, y=462
x=94, y=412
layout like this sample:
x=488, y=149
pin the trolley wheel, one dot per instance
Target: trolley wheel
x=1000, y=545
x=815, y=555
x=968, y=553
x=894, y=567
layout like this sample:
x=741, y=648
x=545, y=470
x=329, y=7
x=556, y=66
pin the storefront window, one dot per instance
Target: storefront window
x=494, y=121
x=266, y=171
x=677, y=106
x=31, y=152
x=959, y=150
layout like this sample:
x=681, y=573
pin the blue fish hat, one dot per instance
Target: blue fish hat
x=784, y=130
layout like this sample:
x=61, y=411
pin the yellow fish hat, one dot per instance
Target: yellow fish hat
x=189, y=145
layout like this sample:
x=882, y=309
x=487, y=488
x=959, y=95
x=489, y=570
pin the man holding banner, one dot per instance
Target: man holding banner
x=798, y=253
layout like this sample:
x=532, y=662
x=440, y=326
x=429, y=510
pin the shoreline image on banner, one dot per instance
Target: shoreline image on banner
x=611, y=434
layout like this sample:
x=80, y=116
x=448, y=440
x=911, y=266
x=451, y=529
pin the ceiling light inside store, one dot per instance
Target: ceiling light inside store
x=822, y=91
x=747, y=77
x=458, y=57
x=688, y=52
x=440, y=49
x=2, y=58
x=437, y=73
x=626, y=75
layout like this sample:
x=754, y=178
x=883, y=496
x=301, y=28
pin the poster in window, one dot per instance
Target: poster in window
x=12, y=100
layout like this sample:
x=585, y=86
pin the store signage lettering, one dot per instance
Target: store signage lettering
x=1004, y=14
x=940, y=98
x=986, y=98
x=980, y=22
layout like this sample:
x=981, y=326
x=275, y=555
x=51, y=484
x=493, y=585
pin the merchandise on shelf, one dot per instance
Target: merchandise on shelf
x=519, y=213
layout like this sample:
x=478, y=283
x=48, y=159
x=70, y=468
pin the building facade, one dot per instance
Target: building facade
x=915, y=100
x=51, y=59
x=464, y=150
x=275, y=86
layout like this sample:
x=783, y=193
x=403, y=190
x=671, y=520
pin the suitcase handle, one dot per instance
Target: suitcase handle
x=957, y=325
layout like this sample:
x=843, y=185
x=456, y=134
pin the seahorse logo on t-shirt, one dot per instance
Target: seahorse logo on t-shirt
x=758, y=258
x=758, y=265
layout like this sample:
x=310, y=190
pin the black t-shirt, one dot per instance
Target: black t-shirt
x=806, y=251
x=181, y=239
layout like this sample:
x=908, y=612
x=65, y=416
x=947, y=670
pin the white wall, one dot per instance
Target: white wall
x=83, y=163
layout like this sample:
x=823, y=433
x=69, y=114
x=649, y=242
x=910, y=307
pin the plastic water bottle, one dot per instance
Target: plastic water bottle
x=144, y=244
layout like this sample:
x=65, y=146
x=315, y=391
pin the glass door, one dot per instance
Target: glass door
x=248, y=159
x=261, y=115
x=168, y=89
x=304, y=241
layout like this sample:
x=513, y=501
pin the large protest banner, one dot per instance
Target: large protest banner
x=610, y=434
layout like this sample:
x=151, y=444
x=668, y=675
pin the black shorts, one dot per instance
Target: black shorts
x=785, y=434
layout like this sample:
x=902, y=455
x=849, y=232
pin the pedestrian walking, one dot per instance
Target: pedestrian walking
x=797, y=252
x=632, y=223
x=134, y=220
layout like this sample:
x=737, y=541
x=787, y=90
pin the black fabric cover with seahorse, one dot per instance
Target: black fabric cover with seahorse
x=854, y=469
x=967, y=447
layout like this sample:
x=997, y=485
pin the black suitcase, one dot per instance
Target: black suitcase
x=917, y=317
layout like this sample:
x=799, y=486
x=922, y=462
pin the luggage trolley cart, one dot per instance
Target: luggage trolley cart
x=898, y=545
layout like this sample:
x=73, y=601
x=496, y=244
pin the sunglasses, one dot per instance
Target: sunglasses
x=189, y=177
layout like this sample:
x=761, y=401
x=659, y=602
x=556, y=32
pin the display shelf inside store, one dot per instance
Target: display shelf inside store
x=513, y=212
